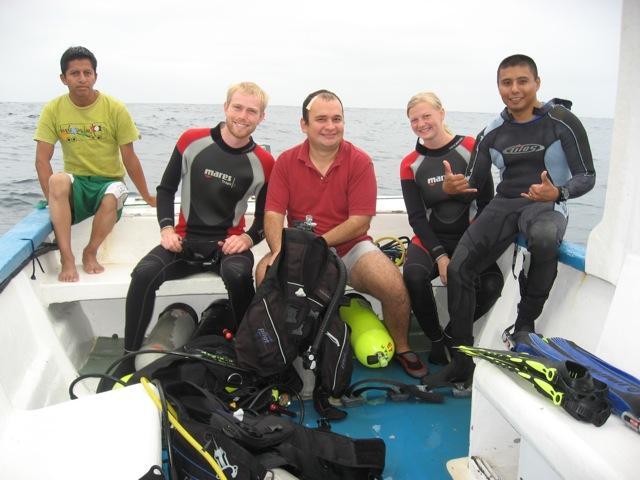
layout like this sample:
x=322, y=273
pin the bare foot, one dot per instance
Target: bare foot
x=90, y=262
x=68, y=273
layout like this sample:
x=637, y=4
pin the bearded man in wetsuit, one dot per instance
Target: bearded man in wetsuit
x=220, y=169
x=544, y=158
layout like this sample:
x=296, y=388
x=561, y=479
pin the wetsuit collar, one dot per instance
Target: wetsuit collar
x=217, y=137
x=539, y=111
x=434, y=152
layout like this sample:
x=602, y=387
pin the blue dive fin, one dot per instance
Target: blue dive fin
x=589, y=358
x=624, y=389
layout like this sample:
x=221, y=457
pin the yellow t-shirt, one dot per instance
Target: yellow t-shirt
x=90, y=136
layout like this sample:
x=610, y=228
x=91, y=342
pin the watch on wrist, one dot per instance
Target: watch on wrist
x=564, y=194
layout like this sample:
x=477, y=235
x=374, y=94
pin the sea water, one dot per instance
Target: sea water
x=383, y=133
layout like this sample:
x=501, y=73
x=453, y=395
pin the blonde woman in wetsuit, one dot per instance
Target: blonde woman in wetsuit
x=438, y=220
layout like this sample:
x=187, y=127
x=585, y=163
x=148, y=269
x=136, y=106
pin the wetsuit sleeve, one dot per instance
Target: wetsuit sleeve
x=479, y=168
x=256, y=232
x=418, y=218
x=577, y=150
x=166, y=190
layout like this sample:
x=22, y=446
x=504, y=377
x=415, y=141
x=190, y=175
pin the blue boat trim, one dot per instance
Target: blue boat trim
x=571, y=254
x=16, y=245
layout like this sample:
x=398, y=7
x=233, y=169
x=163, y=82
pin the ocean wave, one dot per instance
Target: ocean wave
x=383, y=133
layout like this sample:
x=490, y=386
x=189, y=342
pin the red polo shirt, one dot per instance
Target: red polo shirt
x=296, y=189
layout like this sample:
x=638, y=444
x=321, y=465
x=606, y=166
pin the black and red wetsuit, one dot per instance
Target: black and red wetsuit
x=217, y=182
x=438, y=221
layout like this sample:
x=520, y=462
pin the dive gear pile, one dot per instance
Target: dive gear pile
x=226, y=393
x=211, y=441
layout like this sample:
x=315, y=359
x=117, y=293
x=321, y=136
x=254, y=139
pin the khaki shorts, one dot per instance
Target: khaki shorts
x=88, y=192
x=358, y=250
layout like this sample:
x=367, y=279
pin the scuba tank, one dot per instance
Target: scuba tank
x=174, y=328
x=215, y=319
x=370, y=339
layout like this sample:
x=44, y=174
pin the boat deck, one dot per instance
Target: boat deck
x=420, y=437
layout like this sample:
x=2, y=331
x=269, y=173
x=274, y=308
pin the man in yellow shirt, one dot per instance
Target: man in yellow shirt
x=96, y=133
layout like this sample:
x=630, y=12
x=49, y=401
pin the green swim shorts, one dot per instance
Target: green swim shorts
x=88, y=192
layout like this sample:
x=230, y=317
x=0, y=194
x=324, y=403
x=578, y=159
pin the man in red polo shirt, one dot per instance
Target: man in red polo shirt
x=329, y=183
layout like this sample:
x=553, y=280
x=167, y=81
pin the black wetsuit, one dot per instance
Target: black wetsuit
x=438, y=221
x=554, y=141
x=217, y=182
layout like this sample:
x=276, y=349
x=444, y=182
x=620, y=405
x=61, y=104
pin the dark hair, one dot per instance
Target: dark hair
x=77, y=53
x=516, y=60
x=324, y=95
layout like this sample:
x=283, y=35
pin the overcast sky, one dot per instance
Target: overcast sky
x=371, y=53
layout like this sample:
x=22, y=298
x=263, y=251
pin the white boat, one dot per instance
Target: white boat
x=51, y=328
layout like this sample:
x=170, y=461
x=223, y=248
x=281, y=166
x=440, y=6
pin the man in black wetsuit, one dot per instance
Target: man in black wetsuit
x=220, y=169
x=543, y=155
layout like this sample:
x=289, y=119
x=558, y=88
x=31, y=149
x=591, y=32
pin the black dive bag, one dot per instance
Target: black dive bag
x=249, y=447
x=295, y=313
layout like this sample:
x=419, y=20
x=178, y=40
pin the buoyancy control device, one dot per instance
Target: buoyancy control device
x=295, y=313
x=247, y=446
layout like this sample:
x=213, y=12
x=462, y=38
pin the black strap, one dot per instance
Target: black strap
x=516, y=249
x=45, y=247
x=585, y=397
x=154, y=473
x=396, y=391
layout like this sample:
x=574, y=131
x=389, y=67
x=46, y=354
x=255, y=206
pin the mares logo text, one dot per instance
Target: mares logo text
x=225, y=178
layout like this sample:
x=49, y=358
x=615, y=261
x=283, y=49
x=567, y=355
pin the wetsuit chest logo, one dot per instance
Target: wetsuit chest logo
x=526, y=148
x=432, y=181
x=225, y=178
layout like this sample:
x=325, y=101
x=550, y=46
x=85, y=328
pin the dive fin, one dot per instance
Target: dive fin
x=588, y=358
x=534, y=365
x=566, y=383
x=624, y=389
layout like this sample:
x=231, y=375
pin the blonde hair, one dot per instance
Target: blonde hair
x=430, y=98
x=249, y=88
